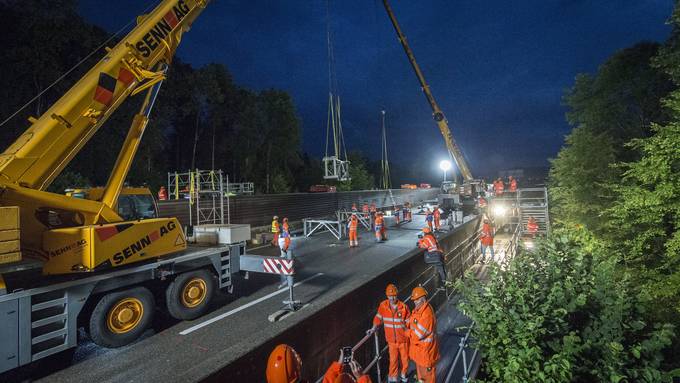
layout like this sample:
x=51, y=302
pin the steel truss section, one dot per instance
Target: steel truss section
x=205, y=189
x=312, y=226
x=335, y=169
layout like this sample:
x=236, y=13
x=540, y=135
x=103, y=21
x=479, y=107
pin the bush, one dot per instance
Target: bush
x=563, y=313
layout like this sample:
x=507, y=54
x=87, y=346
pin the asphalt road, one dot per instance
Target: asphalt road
x=183, y=351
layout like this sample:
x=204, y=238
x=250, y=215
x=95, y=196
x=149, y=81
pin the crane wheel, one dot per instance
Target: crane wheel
x=120, y=317
x=188, y=296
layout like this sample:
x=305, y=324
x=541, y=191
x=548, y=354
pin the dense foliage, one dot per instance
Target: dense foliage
x=562, y=313
x=599, y=301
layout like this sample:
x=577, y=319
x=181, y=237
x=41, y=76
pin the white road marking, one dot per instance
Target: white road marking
x=234, y=311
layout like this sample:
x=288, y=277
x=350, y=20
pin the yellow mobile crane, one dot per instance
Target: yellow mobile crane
x=79, y=235
x=437, y=113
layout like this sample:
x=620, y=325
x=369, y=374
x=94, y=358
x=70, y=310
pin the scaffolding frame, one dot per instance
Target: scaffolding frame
x=205, y=190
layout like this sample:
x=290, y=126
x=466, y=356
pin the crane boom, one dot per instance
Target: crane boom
x=60, y=229
x=437, y=113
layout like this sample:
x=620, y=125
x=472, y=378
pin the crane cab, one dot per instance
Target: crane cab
x=134, y=203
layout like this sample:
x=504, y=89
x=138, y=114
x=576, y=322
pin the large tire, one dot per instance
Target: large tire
x=188, y=296
x=120, y=317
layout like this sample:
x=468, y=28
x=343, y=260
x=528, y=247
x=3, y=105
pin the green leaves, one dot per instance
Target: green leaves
x=562, y=313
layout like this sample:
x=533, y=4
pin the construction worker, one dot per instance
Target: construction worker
x=284, y=365
x=162, y=194
x=373, y=210
x=429, y=218
x=513, y=184
x=433, y=253
x=284, y=246
x=341, y=372
x=285, y=226
x=498, y=187
x=380, y=231
x=482, y=204
x=352, y=226
x=392, y=314
x=436, y=214
x=407, y=211
x=396, y=214
x=422, y=332
x=532, y=227
x=486, y=239
x=364, y=209
x=276, y=229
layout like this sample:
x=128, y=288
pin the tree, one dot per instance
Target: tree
x=562, y=313
x=607, y=110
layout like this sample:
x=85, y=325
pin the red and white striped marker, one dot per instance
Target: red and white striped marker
x=278, y=266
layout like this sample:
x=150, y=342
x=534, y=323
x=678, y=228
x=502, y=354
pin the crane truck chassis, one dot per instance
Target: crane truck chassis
x=81, y=263
x=116, y=306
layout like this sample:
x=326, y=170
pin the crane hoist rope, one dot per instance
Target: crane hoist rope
x=336, y=165
x=385, y=182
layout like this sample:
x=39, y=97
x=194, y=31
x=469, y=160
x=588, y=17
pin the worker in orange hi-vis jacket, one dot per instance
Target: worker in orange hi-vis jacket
x=352, y=226
x=532, y=227
x=513, y=184
x=436, y=214
x=379, y=227
x=429, y=218
x=373, y=210
x=162, y=194
x=498, y=187
x=345, y=370
x=423, y=346
x=392, y=314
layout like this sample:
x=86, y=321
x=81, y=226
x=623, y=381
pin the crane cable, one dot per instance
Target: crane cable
x=60, y=78
x=334, y=121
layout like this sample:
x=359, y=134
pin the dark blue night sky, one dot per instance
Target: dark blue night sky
x=497, y=68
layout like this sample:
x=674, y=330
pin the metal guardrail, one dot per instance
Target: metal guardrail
x=467, y=248
x=510, y=250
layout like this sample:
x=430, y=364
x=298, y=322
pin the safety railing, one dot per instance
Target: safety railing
x=467, y=249
x=509, y=251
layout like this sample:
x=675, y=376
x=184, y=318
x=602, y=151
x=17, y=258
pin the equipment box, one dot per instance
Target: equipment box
x=226, y=234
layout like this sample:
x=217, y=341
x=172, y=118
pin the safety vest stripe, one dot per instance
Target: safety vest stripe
x=427, y=340
x=394, y=326
x=393, y=319
x=379, y=316
x=415, y=330
x=422, y=329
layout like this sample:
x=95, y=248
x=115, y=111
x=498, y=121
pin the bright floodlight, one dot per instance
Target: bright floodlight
x=445, y=165
x=499, y=210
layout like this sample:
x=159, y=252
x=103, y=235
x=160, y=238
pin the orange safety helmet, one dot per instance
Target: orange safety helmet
x=284, y=365
x=285, y=219
x=426, y=230
x=345, y=377
x=391, y=290
x=418, y=292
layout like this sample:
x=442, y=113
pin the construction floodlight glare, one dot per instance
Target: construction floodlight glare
x=445, y=165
